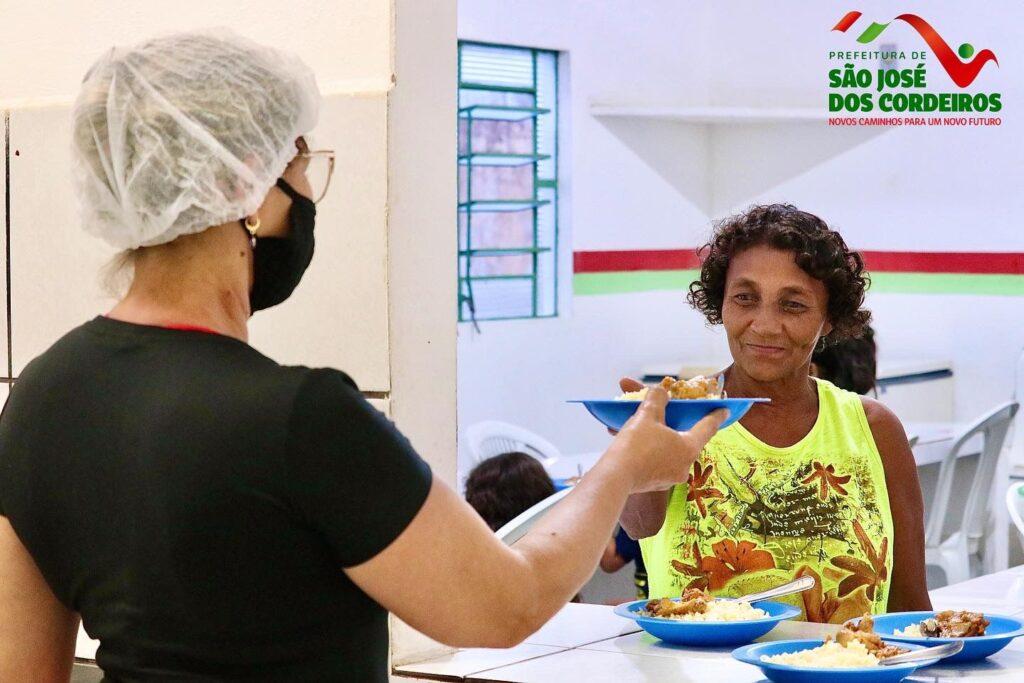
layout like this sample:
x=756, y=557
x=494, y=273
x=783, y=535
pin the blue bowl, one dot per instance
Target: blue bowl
x=1001, y=630
x=708, y=633
x=562, y=483
x=680, y=414
x=783, y=673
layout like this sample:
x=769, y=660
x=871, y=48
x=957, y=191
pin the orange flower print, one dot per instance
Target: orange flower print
x=826, y=607
x=871, y=574
x=699, y=489
x=732, y=559
x=827, y=479
x=692, y=571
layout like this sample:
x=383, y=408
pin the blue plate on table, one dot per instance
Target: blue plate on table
x=784, y=673
x=680, y=413
x=708, y=633
x=1001, y=630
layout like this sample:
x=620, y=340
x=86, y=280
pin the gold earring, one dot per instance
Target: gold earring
x=252, y=228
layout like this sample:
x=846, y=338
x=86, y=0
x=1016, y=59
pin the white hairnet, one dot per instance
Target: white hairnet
x=185, y=132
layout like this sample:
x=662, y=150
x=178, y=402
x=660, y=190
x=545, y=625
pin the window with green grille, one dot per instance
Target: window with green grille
x=508, y=182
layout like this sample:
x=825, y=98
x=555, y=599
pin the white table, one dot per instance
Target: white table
x=550, y=655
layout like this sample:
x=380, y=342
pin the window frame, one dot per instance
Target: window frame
x=465, y=282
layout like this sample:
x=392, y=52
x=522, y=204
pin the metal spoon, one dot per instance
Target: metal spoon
x=796, y=586
x=939, y=651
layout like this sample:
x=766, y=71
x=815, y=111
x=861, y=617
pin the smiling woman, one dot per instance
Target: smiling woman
x=820, y=481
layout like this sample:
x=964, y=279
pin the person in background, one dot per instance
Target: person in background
x=848, y=363
x=621, y=551
x=503, y=486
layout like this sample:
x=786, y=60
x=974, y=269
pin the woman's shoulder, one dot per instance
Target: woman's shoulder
x=329, y=397
x=888, y=433
x=322, y=383
x=879, y=416
x=885, y=427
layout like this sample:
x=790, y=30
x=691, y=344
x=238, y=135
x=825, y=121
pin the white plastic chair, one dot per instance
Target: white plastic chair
x=491, y=437
x=953, y=553
x=518, y=527
x=1015, y=504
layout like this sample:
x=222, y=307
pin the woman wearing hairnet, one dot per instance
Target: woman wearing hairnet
x=208, y=513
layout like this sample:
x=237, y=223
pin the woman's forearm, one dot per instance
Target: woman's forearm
x=492, y=595
x=561, y=552
x=644, y=513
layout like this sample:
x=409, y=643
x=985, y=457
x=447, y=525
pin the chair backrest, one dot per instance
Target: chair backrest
x=1015, y=505
x=993, y=427
x=518, y=527
x=492, y=437
x=1016, y=435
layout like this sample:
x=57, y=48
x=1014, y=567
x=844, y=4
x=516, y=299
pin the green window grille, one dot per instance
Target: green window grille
x=508, y=182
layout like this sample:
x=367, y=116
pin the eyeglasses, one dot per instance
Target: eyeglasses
x=319, y=169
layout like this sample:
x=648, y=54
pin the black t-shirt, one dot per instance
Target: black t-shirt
x=195, y=502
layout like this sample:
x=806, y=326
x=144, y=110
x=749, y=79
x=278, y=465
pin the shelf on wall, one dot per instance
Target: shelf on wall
x=501, y=205
x=501, y=159
x=492, y=112
x=504, y=251
x=712, y=115
x=485, y=278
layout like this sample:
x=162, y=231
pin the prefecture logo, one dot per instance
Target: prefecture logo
x=902, y=95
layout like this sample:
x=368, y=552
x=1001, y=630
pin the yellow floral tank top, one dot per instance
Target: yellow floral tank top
x=753, y=516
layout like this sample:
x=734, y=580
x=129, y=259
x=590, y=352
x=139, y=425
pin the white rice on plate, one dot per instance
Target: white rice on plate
x=724, y=610
x=632, y=395
x=831, y=655
x=912, y=631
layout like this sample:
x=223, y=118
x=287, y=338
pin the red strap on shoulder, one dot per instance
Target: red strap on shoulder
x=190, y=328
x=182, y=326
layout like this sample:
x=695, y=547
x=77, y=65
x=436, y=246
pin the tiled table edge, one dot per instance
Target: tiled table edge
x=627, y=632
x=398, y=671
x=406, y=675
x=413, y=675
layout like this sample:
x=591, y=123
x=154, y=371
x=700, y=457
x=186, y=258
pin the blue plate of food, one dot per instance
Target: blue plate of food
x=705, y=621
x=812, y=661
x=689, y=401
x=983, y=635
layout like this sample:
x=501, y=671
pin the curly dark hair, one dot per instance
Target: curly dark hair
x=501, y=487
x=850, y=364
x=820, y=252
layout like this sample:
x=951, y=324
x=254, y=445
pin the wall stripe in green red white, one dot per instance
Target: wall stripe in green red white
x=974, y=273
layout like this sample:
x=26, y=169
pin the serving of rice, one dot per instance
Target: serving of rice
x=723, y=610
x=632, y=395
x=912, y=631
x=831, y=655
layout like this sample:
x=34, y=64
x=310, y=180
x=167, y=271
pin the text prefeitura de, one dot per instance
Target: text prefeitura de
x=876, y=54
x=851, y=77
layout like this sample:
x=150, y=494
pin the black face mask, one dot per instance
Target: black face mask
x=279, y=262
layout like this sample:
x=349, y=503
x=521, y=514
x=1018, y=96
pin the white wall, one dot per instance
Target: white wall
x=346, y=42
x=646, y=184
